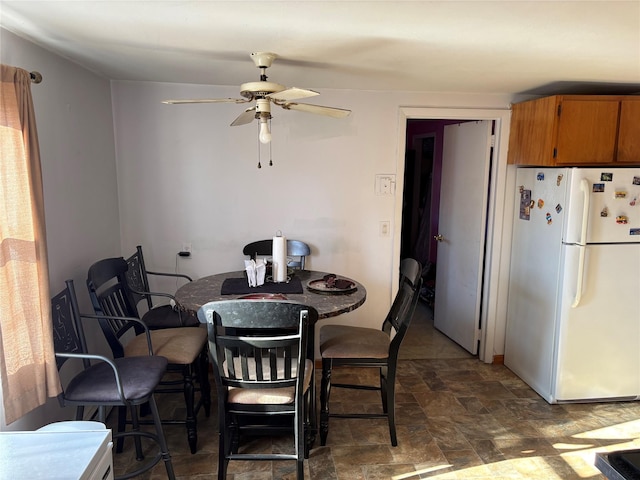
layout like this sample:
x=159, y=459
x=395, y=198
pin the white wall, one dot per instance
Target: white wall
x=185, y=175
x=75, y=127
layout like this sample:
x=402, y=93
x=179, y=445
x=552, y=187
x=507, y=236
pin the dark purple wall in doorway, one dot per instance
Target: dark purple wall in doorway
x=422, y=127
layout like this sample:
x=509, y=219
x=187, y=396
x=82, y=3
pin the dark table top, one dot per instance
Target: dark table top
x=193, y=295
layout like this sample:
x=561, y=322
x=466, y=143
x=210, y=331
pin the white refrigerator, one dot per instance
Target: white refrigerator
x=573, y=314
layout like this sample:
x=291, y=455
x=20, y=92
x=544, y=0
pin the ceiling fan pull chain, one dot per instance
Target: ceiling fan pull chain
x=258, y=143
x=270, y=159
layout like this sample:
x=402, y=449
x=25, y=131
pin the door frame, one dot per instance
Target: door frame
x=495, y=280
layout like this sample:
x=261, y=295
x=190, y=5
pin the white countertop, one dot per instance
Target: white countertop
x=51, y=455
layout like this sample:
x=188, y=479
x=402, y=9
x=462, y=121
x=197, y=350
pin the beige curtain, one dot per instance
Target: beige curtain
x=27, y=361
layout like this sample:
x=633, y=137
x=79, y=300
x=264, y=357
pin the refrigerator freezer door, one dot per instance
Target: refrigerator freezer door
x=614, y=205
x=598, y=350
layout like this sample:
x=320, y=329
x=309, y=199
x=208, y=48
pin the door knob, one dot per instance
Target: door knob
x=438, y=238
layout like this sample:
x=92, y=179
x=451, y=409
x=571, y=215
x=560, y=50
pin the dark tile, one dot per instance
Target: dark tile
x=439, y=404
x=487, y=450
x=384, y=472
x=473, y=405
x=447, y=437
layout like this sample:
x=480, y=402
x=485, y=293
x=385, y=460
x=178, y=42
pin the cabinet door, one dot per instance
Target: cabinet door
x=532, y=128
x=587, y=131
x=629, y=133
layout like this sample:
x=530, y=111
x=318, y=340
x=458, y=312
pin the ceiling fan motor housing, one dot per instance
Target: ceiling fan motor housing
x=253, y=90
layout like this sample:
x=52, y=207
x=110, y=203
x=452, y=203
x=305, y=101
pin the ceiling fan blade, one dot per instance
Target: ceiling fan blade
x=317, y=109
x=292, y=93
x=245, y=117
x=207, y=100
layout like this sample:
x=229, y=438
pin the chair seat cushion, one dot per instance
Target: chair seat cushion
x=181, y=346
x=139, y=376
x=270, y=396
x=345, y=341
x=165, y=316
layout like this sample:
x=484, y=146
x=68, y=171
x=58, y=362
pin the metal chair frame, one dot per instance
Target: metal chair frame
x=70, y=343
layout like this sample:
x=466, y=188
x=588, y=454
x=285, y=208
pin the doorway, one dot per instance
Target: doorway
x=459, y=225
x=494, y=277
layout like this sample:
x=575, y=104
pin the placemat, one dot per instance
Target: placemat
x=239, y=286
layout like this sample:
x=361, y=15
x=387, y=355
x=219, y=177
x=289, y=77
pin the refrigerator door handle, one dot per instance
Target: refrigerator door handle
x=578, y=297
x=584, y=186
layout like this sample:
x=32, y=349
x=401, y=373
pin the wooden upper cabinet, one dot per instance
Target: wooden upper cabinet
x=629, y=132
x=587, y=131
x=575, y=130
x=531, y=137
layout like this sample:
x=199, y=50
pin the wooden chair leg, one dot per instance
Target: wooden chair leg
x=205, y=387
x=309, y=436
x=224, y=446
x=189, y=397
x=383, y=389
x=325, y=390
x=300, y=470
x=389, y=403
x=301, y=437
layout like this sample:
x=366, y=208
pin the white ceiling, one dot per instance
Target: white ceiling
x=510, y=46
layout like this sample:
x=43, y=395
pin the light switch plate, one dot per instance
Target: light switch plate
x=385, y=184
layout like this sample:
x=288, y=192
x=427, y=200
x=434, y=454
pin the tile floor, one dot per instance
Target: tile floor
x=457, y=418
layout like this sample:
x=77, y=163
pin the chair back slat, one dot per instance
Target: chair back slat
x=257, y=361
x=68, y=336
x=137, y=278
x=111, y=296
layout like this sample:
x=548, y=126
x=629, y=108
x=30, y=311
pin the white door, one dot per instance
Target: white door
x=466, y=162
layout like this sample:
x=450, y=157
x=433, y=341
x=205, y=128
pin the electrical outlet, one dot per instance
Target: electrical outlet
x=186, y=250
x=384, y=228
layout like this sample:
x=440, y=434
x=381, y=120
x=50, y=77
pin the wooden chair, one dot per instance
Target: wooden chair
x=155, y=316
x=184, y=347
x=349, y=346
x=259, y=351
x=102, y=382
x=295, y=248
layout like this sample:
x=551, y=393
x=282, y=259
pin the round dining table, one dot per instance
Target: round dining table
x=191, y=296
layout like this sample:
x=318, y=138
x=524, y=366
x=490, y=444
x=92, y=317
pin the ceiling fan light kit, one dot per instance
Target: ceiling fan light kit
x=264, y=93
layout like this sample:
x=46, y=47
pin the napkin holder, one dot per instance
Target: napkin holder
x=256, y=271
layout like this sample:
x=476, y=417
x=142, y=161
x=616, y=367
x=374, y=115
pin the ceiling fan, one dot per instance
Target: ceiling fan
x=264, y=93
